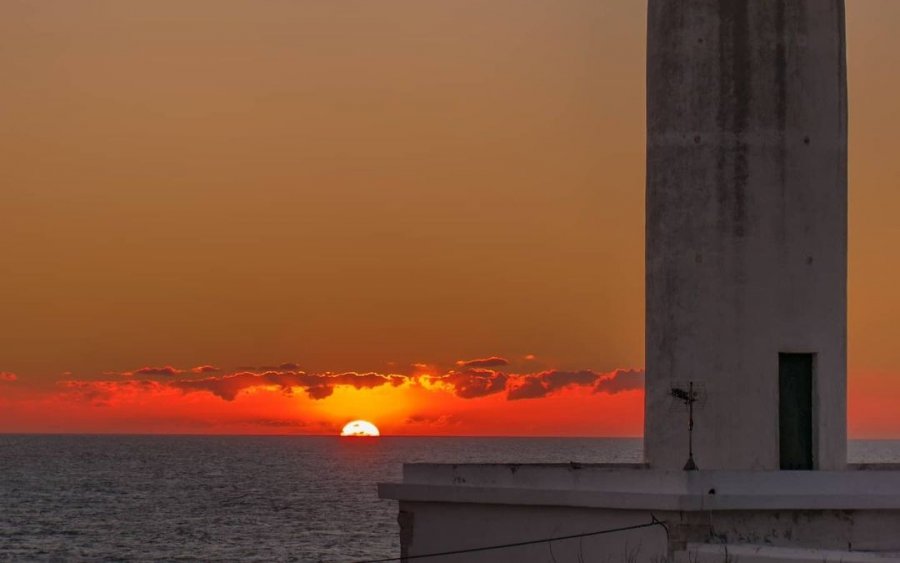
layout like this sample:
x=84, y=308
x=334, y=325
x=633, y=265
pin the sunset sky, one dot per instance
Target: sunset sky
x=274, y=217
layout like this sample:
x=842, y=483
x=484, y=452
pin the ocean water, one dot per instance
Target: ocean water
x=240, y=497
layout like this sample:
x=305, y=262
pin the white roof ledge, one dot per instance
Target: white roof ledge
x=615, y=488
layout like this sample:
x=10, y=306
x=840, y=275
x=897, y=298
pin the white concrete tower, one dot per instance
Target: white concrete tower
x=747, y=233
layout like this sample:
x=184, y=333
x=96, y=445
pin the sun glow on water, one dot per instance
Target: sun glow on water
x=360, y=428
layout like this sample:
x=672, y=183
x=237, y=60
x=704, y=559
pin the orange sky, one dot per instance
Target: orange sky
x=359, y=187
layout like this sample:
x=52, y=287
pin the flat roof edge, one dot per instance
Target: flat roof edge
x=881, y=498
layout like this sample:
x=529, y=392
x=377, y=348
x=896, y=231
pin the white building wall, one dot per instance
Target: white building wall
x=436, y=528
x=451, y=507
x=784, y=535
x=746, y=224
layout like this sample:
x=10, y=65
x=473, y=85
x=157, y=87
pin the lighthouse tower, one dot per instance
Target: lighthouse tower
x=746, y=234
x=745, y=433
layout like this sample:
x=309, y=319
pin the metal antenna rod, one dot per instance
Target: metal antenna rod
x=690, y=465
x=689, y=398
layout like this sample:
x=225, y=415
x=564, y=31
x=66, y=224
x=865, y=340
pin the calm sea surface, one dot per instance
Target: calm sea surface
x=249, y=498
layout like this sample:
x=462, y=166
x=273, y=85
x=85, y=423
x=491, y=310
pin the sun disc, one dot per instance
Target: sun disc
x=360, y=428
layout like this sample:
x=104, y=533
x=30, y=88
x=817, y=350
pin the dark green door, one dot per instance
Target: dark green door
x=795, y=374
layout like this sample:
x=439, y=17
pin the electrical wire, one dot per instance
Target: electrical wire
x=654, y=522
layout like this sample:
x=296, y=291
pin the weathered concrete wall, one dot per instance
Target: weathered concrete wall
x=717, y=553
x=428, y=527
x=452, y=507
x=435, y=528
x=837, y=530
x=746, y=223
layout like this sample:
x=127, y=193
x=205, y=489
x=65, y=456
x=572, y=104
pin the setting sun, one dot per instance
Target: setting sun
x=360, y=428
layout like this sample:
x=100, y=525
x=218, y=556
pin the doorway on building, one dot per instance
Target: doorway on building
x=795, y=410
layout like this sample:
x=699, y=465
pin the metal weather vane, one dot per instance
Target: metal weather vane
x=688, y=397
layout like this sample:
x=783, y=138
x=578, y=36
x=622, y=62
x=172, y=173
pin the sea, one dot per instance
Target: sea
x=248, y=498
